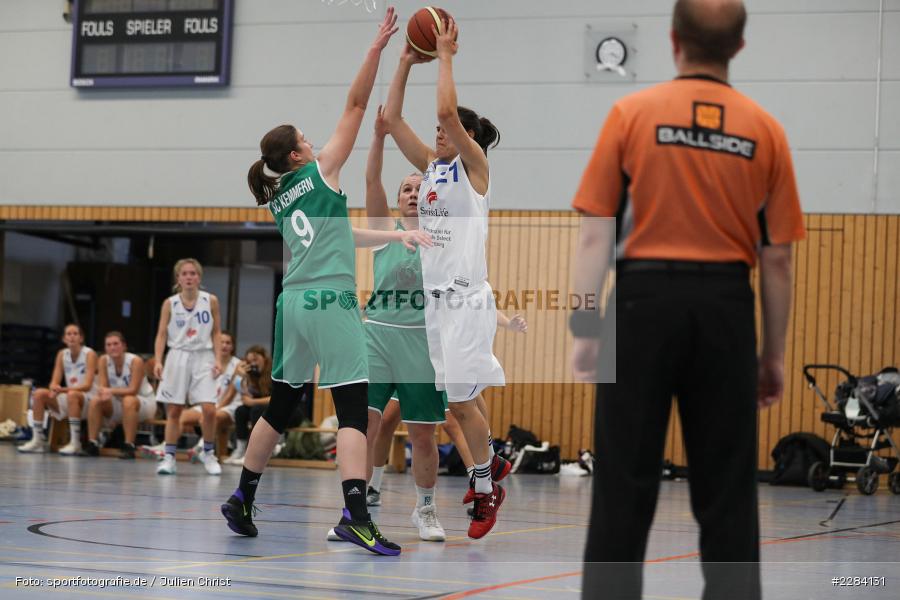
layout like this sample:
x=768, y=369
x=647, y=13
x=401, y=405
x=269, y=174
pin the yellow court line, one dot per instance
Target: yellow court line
x=88, y=592
x=254, y=558
x=85, y=553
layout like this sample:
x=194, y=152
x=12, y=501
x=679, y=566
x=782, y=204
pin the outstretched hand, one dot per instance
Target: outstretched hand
x=416, y=237
x=381, y=127
x=446, y=42
x=412, y=56
x=387, y=28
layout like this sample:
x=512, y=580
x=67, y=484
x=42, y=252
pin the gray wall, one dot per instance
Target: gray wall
x=812, y=63
x=32, y=279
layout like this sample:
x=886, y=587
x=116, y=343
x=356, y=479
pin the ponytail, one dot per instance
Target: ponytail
x=261, y=185
x=264, y=175
x=486, y=134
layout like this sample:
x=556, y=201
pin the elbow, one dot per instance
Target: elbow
x=445, y=114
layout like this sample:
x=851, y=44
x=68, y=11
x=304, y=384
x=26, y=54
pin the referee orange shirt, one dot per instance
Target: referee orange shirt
x=692, y=170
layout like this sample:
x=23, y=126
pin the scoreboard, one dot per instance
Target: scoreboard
x=151, y=43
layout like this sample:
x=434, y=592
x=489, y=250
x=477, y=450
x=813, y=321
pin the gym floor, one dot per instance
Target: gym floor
x=102, y=518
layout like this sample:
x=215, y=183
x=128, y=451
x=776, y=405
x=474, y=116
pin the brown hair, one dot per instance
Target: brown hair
x=263, y=381
x=276, y=147
x=709, y=35
x=76, y=326
x=486, y=134
x=233, y=340
x=117, y=334
x=403, y=182
x=177, y=269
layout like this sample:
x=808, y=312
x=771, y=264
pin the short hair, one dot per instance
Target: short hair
x=707, y=36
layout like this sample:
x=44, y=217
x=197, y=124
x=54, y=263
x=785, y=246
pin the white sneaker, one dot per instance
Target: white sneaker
x=34, y=446
x=71, y=449
x=430, y=530
x=211, y=463
x=195, y=454
x=167, y=466
x=333, y=537
x=158, y=451
x=236, y=454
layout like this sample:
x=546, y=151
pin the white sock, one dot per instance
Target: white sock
x=483, y=484
x=375, y=482
x=75, y=431
x=39, y=432
x=470, y=471
x=241, y=447
x=490, y=446
x=424, y=497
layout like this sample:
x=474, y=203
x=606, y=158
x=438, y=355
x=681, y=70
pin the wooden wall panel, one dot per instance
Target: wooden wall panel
x=846, y=296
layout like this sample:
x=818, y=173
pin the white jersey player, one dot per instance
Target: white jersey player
x=124, y=396
x=189, y=326
x=71, y=387
x=227, y=398
x=460, y=313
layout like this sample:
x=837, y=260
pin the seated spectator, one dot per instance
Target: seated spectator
x=227, y=398
x=71, y=387
x=256, y=387
x=125, y=396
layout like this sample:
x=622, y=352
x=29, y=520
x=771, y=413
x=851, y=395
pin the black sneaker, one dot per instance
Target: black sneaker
x=365, y=535
x=90, y=449
x=127, y=452
x=240, y=516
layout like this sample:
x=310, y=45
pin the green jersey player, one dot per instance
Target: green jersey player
x=317, y=318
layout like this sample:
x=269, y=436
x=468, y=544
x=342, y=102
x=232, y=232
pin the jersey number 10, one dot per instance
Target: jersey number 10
x=305, y=232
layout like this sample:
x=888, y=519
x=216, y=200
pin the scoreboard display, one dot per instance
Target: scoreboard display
x=151, y=43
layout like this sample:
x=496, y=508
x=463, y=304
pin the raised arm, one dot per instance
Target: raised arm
x=414, y=149
x=377, y=209
x=336, y=151
x=473, y=157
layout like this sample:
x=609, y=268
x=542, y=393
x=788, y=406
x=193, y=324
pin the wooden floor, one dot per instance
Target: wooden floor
x=62, y=518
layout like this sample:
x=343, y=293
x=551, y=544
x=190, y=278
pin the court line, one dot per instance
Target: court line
x=509, y=584
x=37, y=529
x=238, y=582
x=321, y=552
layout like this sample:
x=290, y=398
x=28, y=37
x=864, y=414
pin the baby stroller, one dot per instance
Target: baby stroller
x=864, y=412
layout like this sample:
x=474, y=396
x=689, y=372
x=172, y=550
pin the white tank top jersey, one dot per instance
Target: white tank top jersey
x=190, y=329
x=75, y=371
x=123, y=379
x=225, y=378
x=456, y=216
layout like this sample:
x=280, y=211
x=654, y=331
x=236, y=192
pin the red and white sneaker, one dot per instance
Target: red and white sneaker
x=485, y=512
x=500, y=468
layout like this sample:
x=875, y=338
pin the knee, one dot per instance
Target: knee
x=422, y=437
x=174, y=411
x=42, y=395
x=130, y=403
x=222, y=418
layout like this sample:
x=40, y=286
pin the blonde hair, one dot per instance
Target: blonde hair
x=177, y=269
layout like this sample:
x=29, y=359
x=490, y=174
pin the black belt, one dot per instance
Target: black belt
x=683, y=266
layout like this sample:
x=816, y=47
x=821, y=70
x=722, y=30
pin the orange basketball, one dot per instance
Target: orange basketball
x=419, y=32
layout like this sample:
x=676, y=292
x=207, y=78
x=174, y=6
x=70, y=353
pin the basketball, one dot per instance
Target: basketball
x=419, y=31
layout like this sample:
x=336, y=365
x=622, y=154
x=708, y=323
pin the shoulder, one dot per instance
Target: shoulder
x=133, y=359
x=104, y=359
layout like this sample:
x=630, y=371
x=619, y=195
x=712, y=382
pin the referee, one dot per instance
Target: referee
x=700, y=181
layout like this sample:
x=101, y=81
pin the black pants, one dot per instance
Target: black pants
x=690, y=335
x=245, y=417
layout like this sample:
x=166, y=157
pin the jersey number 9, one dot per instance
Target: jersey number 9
x=304, y=231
